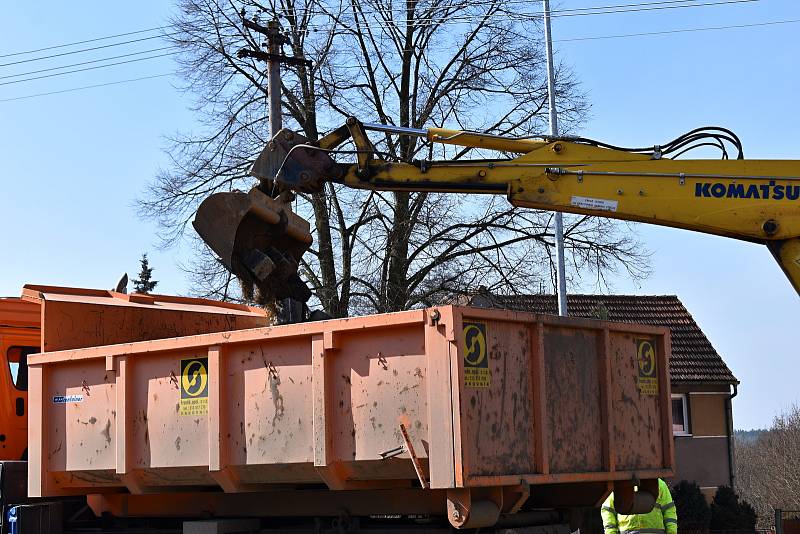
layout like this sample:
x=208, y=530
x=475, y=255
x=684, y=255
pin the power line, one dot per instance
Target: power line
x=649, y=7
x=598, y=10
x=459, y=19
x=85, y=69
x=155, y=28
x=680, y=30
x=600, y=37
x=664, y=32
x=82, y=50
x=638, y=4
x=581, y=11
x=82, y=42
x=84, y=87
x=87, y=62
x=527, y=2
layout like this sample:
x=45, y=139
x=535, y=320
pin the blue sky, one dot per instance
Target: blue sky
x=73, y=163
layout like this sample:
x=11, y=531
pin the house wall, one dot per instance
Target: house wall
x=703, y=456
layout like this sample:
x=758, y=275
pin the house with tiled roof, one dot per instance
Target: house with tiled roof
x=702, y=384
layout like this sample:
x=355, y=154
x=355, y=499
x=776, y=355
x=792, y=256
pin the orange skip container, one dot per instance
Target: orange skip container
x=460, y=411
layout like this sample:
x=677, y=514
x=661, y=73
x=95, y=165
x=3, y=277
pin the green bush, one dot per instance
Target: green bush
x=729, y=513
x=693, y=510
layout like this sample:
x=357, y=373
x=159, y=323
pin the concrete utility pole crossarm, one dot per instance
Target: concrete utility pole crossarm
x=274, y=58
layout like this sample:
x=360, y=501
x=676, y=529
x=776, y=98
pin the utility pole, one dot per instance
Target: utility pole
x=273, y=58
x=551, y=104
x=274, y=76
x=289, y=310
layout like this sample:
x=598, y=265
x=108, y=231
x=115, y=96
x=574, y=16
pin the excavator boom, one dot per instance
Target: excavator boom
x=751, y=200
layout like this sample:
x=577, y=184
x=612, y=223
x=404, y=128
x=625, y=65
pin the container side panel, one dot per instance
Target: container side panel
x=269, y=403
x=71, y=325
x=440, y=407
x=635, y=414
x=82, y=417
x=169, y=424
x=497, y=405
x=379, y=381
x=573, y=400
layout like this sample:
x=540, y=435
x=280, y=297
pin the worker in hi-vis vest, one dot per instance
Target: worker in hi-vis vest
x=662, y=519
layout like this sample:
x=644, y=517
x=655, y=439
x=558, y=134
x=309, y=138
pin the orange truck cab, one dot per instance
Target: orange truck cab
x=20, y=334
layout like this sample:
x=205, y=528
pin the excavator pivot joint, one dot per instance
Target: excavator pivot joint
x=292, y=163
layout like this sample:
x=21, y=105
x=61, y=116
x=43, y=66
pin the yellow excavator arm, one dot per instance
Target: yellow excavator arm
x=751, y=200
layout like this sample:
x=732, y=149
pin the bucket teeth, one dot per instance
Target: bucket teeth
x=259, y=264
x=258, y=239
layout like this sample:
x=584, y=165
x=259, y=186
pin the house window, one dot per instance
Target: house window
x=680, y=416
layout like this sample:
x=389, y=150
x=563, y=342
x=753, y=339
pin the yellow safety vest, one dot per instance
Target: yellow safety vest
x=662, y=519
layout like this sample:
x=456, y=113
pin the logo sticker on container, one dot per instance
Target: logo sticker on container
x=648, y=371
x=476, y=356
x=66, y=399
x=194, y=386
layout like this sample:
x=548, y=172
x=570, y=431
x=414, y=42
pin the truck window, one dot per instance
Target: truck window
x=18, y=365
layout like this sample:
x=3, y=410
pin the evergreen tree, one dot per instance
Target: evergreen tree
x=729, y=513
x=144, y=284
x=693, y=510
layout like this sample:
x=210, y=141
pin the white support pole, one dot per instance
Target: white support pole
x=551, y=104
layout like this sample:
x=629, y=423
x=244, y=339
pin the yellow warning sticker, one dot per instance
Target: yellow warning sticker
x=194, y=386
x=476, y=356
x=648, y=376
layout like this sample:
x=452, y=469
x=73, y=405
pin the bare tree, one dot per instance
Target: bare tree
x=453, y=63
x=768, y=468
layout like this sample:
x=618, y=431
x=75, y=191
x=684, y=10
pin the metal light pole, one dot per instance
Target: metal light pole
x=551, y=104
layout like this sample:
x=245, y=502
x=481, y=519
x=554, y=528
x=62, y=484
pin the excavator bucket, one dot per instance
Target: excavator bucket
x=258, y=239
